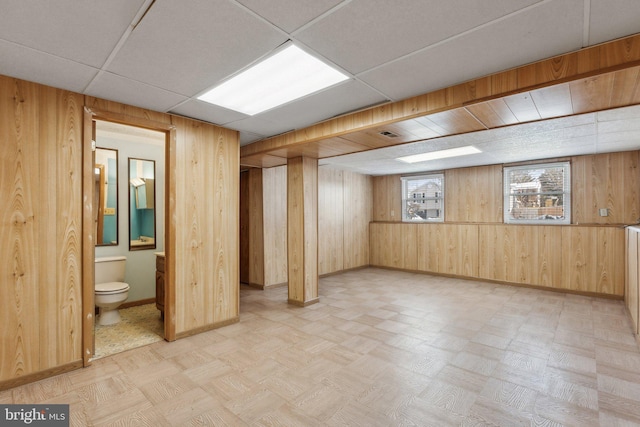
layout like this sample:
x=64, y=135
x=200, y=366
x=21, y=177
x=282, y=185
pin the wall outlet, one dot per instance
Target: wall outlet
x=603, y=212
x=109, y=211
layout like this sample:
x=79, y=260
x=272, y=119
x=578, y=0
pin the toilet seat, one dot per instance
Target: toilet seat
x=111, y=288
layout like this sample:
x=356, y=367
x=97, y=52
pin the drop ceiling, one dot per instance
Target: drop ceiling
x=162, y=55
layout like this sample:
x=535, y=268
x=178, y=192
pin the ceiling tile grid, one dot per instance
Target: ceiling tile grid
x=84, y=32
x=187, y=49
x=162, y=54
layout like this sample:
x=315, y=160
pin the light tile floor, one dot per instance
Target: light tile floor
x=139, y=325
x=381, y=348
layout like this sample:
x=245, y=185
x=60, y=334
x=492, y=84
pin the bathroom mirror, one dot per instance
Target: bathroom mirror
x=142, y=204
x=106, y=194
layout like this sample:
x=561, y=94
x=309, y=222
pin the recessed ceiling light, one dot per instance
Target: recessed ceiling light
x=442, y=154
x=288, y=75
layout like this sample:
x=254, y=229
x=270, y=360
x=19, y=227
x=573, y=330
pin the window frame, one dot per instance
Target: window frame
x=566, y=193
x=439, y=200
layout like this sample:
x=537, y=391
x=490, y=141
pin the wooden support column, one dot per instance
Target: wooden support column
x=302, y=230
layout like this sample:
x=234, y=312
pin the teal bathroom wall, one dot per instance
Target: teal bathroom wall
x=140, y=270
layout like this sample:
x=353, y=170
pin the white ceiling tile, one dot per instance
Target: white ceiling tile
x=546, y=30
x=323, y=105
x=258, y=126
x=83, y=31
x=566, y=136
x=109, y=86
x=204, y=111
x=624, y=113
x=189, y=49
x=611, y=19
x=626, y=141
x=248, y=138
x=366, y=33
x=35, y=66
x=289, y=14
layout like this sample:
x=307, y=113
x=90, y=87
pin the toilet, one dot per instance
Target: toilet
x=110, y=289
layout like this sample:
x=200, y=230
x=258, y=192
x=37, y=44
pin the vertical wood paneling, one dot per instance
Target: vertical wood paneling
x=19, y=250
x=40, y=228
x=609, y=272
x=244, y=227
x=605, y=181
x=406, y=256
x=207, y=159
x=224, y=214
x=387, y=198
x=577, y=249
x=465, y=252
x=344, y=214
x=438, y=248
x=473, y=194
x=357, y=190
x=549, y=262
x=256, y=227
x=190, y=289
x=274, y=182
x=68, y=139
x=331, y=226
x=585, y=259
x=43, y=266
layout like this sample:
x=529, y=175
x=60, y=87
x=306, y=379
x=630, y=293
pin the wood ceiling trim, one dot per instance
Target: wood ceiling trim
x=488, y=96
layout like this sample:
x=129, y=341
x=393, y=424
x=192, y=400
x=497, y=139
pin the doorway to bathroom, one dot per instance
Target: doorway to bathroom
x=129, y=192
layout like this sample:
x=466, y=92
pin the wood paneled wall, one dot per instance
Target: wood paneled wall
x=274, y=181
x=387, y=198
x=207, y=209
x=42, y=233
x=40, y=228
x=358, y=213
x=606, y=181
x=475, y=196
x=473, y=242
x=344, y=213
x=584, y=259
x=331, y=205
x=204, y=249
x=252, y=265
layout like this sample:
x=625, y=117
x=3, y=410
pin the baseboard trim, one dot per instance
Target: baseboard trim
x=41, y=375
x=137, y=303
x=500, y=282
x=303, y=303
x=206, y=328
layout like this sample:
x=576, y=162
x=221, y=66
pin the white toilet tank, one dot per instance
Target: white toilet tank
x=110, y=269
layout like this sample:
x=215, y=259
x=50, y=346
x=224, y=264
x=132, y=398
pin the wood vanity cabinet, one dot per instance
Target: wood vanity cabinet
x=160, y=284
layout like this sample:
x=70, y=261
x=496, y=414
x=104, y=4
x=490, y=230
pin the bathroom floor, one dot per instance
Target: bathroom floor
x=141, y=325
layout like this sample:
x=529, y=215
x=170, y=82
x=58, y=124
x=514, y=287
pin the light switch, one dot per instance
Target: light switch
x=604, y=212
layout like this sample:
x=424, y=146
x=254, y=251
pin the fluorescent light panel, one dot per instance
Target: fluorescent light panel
x=289, y=74
x=442, y=154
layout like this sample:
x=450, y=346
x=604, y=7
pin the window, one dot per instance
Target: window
x=422, y=198
x=537, y=194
